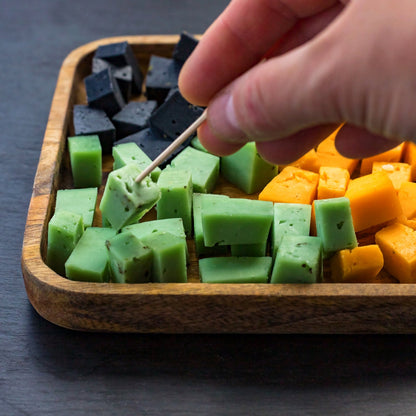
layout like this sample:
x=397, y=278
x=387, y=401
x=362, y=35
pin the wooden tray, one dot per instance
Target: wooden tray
x=188, y=307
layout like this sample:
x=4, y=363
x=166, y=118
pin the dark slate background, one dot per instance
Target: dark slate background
x=47, y=370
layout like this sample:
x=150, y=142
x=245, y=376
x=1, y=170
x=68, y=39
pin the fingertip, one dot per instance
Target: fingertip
x=279, y=152
x=188, y=84
x=356, y=142
x=214, y=144
x=288, y=149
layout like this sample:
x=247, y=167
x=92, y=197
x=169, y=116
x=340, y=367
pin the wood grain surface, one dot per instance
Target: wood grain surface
x=191, y=307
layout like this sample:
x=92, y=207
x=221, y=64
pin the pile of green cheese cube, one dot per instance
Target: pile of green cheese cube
x=237, y=240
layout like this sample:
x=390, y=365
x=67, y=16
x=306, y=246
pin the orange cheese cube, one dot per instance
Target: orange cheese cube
x=407, y=198
x=373, y=200
x=398, y=245
x=309, y=161
x=409, y=156
x=328, y=155
x=333, y=182
x=292, y=185
x=392, y=155
x=408, y=222
x=327, y=145
x=333, y=135
x=396, y=171
x=357, y=265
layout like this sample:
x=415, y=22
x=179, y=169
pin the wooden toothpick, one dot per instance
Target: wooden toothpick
x=172, y=147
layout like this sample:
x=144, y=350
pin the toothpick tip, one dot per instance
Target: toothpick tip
x=172, y=147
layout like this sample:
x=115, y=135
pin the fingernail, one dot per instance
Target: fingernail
x=222, y=119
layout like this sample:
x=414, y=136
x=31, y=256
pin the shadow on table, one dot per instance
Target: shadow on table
x=290, y=360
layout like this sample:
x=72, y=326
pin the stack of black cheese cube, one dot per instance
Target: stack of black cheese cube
x=116, y=110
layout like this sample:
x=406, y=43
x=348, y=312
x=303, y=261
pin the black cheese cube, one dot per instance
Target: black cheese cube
x=184, y=47
x=88, y=121
x=174, y=116
x=123, y=75
x=121, y=54
x=162, y=76
x=152, y=143
x=99, y=65
x=171, y=92
x=103, y=92
x=133, y=117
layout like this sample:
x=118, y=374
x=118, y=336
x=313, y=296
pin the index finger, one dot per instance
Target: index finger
x=239, y=38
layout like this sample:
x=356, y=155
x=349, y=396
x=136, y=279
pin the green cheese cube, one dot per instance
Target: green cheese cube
x=249, y=250
x=289, y=219
x=125, y=201
x=235, y=269
x=298, y=260
x=195, y=142
x=86, y=160
x=334, y=225
x=104, y=222
x=169, y=257
x=247, y=170
x=200, y=248
x=169, y=225
x=236, y=221
x=89, y=261
x=81, y=201
x=129, y=153
x=176, y=196
x=131, y=261
x=203, y=166
x=64, y=230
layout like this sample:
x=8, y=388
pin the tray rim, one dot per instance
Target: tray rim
x=42, y=283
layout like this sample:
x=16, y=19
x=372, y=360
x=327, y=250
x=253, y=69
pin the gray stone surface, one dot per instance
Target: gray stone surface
x=46, y=370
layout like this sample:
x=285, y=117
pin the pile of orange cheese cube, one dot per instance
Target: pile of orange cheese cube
x=382, y=194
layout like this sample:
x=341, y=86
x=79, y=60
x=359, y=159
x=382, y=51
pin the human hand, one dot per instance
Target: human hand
x=329, y=62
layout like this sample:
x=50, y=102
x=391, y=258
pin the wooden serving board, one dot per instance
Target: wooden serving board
x=191, y=307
